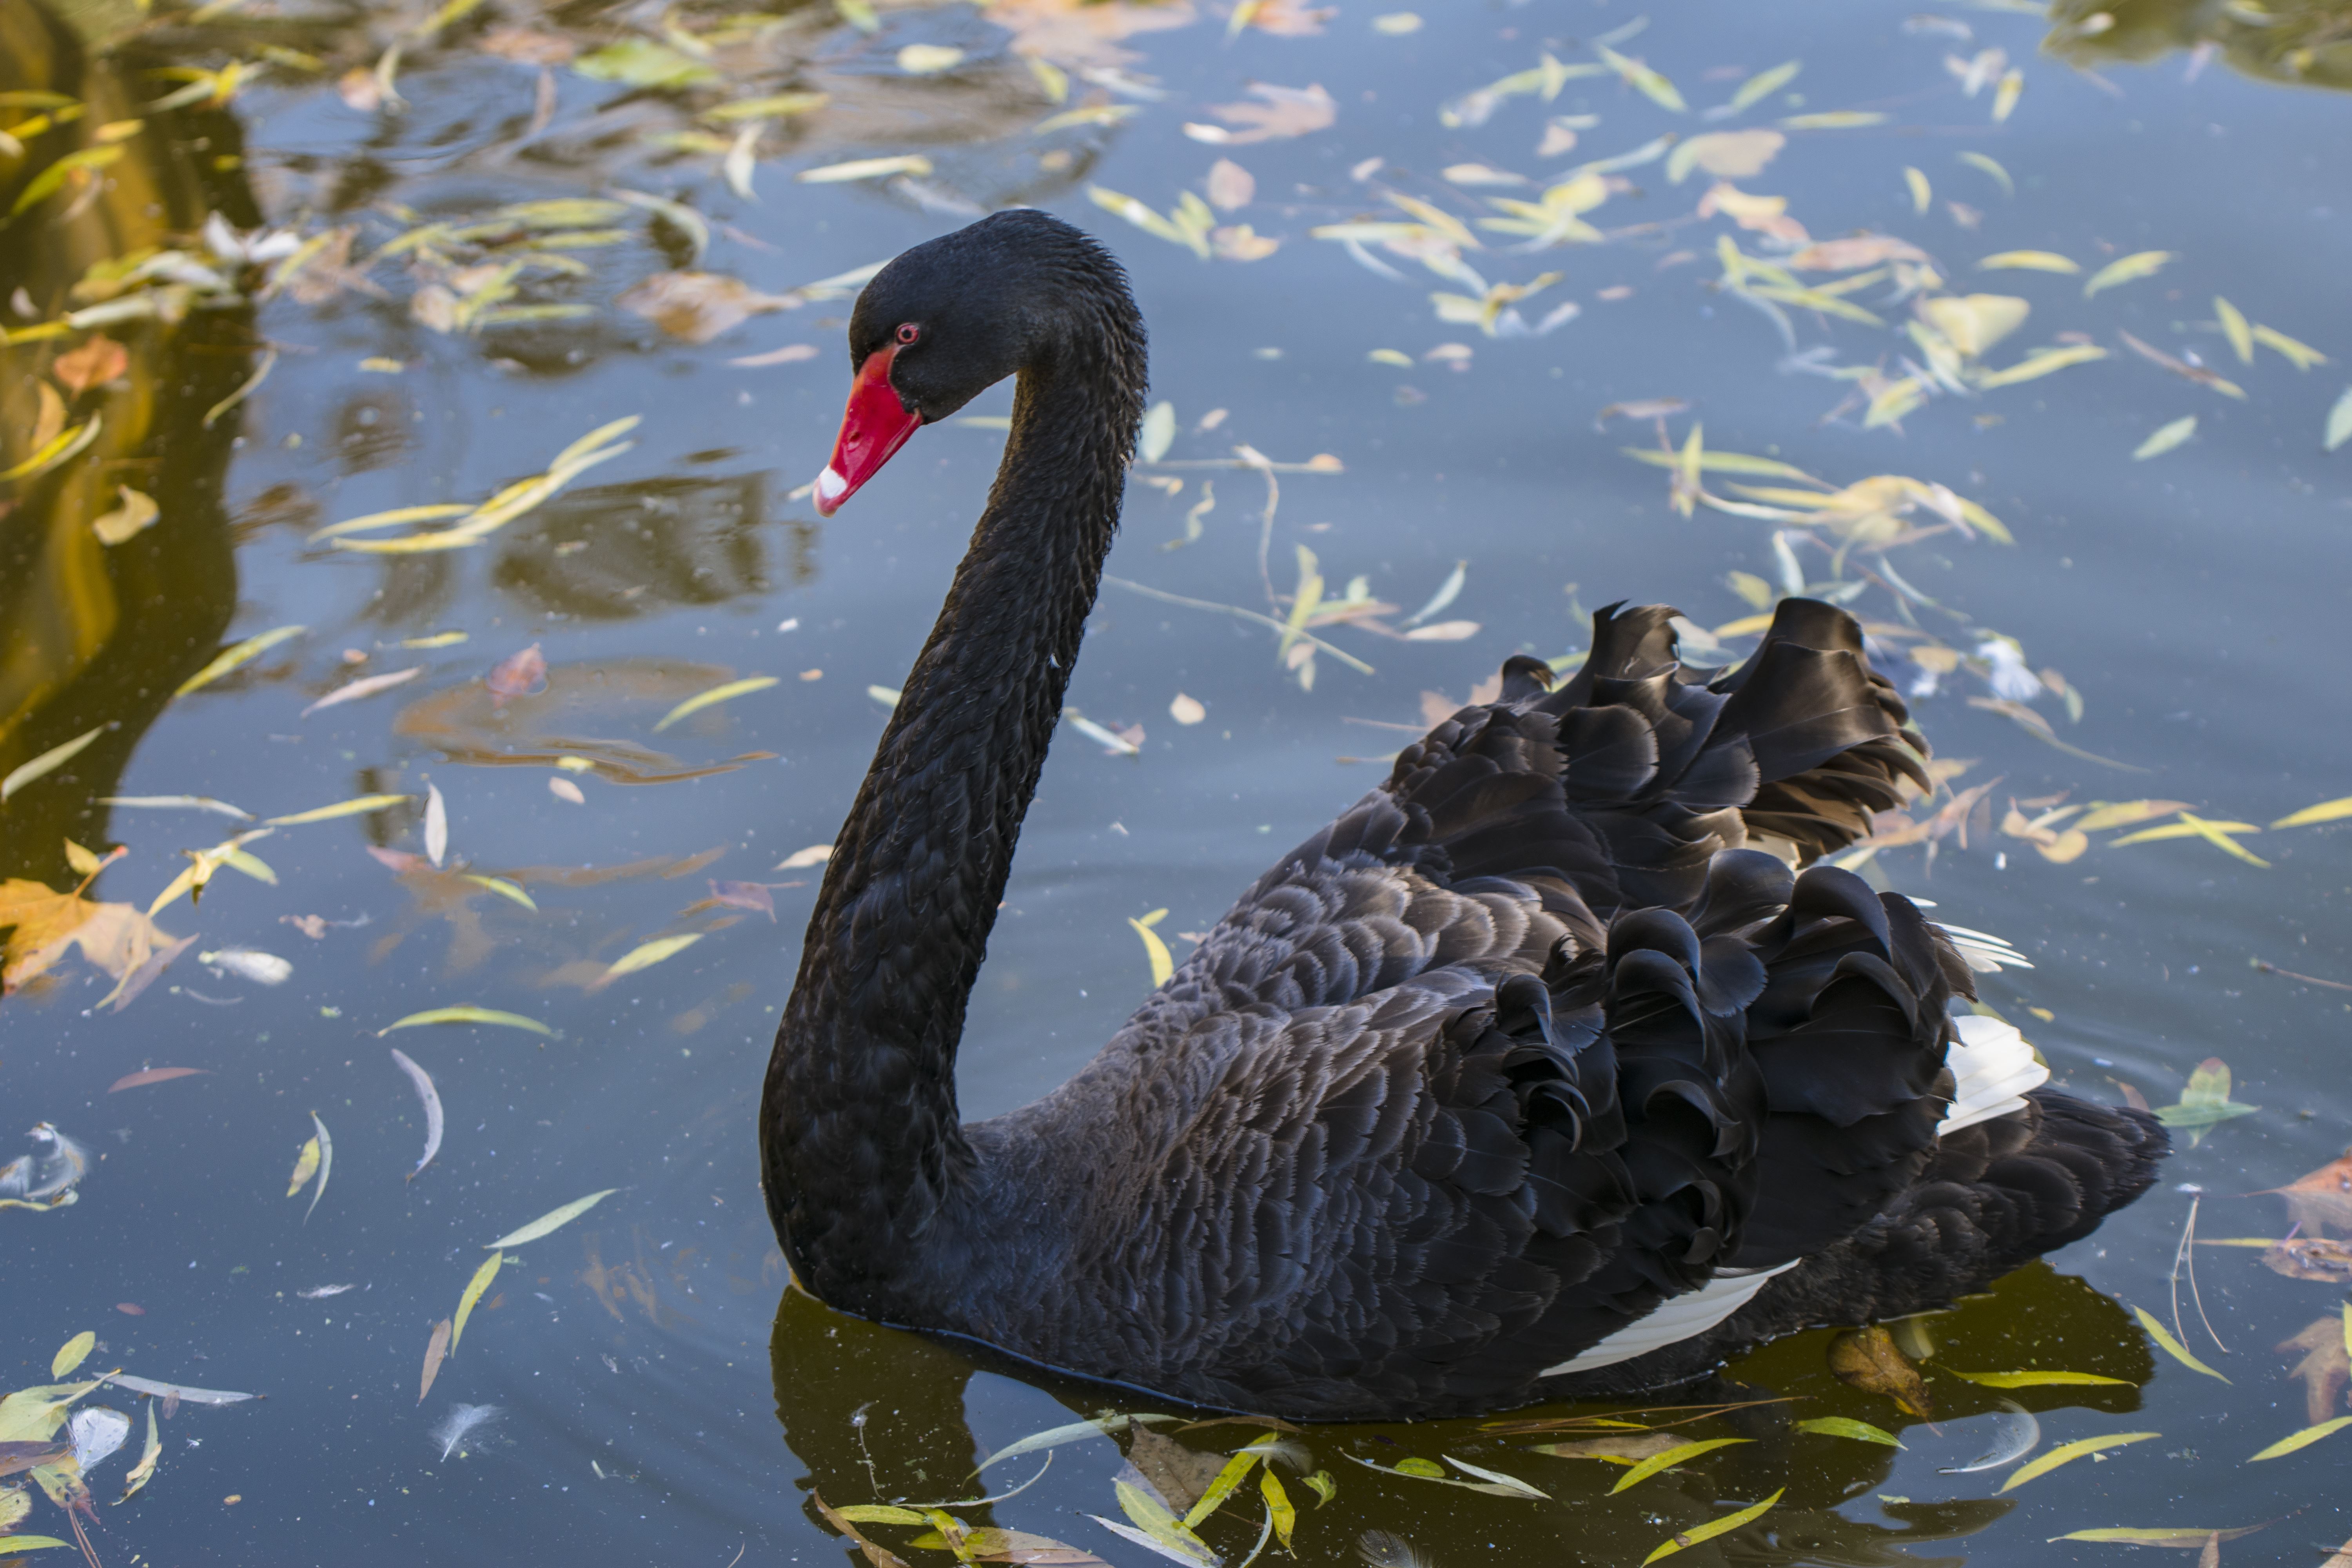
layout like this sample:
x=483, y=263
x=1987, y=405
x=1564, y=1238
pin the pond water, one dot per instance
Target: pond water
x=1809, y=285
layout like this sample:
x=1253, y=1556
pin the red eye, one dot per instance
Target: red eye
x=908, y=331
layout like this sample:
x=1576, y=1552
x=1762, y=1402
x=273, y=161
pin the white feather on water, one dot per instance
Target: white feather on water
x=460, y=1424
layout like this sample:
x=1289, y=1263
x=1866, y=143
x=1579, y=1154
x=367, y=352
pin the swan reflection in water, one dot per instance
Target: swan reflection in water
x=872, y=1414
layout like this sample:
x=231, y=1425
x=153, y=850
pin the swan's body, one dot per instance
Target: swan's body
x=1523, y=1078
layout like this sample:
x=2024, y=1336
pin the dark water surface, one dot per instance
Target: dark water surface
x=656, y=1401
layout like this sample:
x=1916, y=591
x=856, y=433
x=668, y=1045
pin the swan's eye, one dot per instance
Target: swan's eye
x=908, y=331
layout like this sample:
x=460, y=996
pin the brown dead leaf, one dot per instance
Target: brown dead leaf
x=1179, y=1474
x=698, y=306
x=117, y=938
x=437, y=1349
x=1867, y=1359
x=2325, y=1368
x=1229, y=185
x=521, y=674
x=2312, y=1257
x=1076, y=33
x=1854, y=251
x=527, y=46
x=152, y=1074
x=94, y=363
x=1289, y=18
x=1281, y=111
x=2321, y=1198
x=744, y=896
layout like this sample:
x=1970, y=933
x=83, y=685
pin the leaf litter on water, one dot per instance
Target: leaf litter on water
x=466, y=1015
x=430, y=1099
x=553, y=1220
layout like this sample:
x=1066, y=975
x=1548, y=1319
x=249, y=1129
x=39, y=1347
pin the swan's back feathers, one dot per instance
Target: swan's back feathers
x=1522, y=1046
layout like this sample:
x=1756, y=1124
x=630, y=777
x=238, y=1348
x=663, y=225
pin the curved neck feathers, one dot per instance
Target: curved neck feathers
x=861, y=1145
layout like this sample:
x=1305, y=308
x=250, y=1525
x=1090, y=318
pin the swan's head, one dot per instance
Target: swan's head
x=953, y=316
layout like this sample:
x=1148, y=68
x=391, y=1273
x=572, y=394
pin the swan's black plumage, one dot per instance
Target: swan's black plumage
x=1523, y=1044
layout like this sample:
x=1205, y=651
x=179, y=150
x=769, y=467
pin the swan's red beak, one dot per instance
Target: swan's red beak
x=872, y=427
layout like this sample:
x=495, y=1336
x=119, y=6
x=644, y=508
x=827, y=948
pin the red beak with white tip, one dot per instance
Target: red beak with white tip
x=872, y=427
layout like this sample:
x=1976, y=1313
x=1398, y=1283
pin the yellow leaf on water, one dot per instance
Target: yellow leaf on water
x=2004, y=97
x=1991, y=166
x=474, y=1288
x=2034, y=1379
x=2310, y=815
x=2039, y=363
x=1922, y=193
x=646, y=955
x=696, y=703
x=1671, y=1457
x=2235, y=328
x=500, y=885
x=2126, y=269
x=1762, y=85
x=1163, y=965
x=466, y=1015
x=865, y=169
x=1712, y=1528
x=2067, y=1453
x=355, y=806
x=70, y=1354
x=2165, y=438
x=929, y=59
x=132, y=512
x=2027, y=260
x=815, y=855
x=1834, y=119
x=306, y=1165
x=553, y=1220
x=2302, y=356
x=2339, y=423
x=47, y=762
x=2173, y=1347
x=2304, y=1438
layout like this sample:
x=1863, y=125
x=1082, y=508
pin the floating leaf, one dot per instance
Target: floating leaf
x=47, y=762
x=431, y=1099
x=144, y=1470
x=1762, y=85
x=231, y=658
x=2066, y=1453
x=2311, y=816
x=554, y=1219
x=152, y=1074
x=2339, y=422
x=799, y=859
x=698, y=702
x=134, y=510
x=646, y=955
x=324, y=1148
x=865, y=169
x=1712, y=1528
x=1163, y=964
x=1846, y=1426
x=2235, y=328
x=641, y=62
x=1158, y=431
x=2303, y=356
x=72, y=1353
x=2191, y=825
x=353, y=807
x=437, y=1349
x=2183, y=1538
x=2029, y=260
x=1868, y=1359
x=186, y=1394
x=466, y=1014
x=1186, y=710
x=1672, y=1457
x=474, y=1288
x=2165, y=439
x=2126, y=269
x=929, y=59
x=2173, y=1347
x=2304, y=1438
x=306, y=1165
x=2035, y=1379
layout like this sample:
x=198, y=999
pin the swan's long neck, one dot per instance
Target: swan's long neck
x=861, y=1146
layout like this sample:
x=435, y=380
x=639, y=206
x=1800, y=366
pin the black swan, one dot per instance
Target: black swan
x=1528, y=1077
